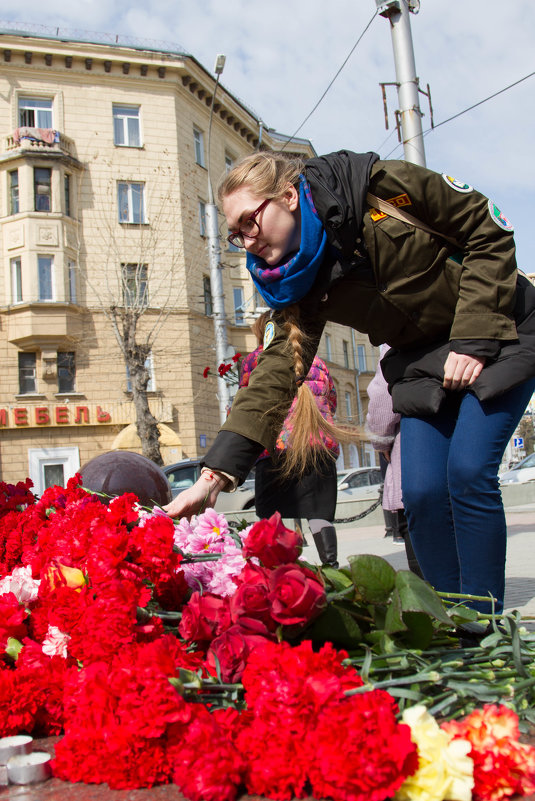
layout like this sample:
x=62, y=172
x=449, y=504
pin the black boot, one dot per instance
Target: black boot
x=327, y=546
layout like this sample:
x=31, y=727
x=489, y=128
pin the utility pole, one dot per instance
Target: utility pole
x=397, y=13
x=216, y=278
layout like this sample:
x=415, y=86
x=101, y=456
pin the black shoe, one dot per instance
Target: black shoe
x=327, y=545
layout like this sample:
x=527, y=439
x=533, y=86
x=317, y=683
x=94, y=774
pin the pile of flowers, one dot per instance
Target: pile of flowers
x=188, y=653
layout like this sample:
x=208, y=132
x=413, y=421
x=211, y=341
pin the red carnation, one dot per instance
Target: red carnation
x=378, y=752
x=205, y=372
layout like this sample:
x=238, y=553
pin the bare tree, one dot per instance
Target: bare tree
x=141, y=275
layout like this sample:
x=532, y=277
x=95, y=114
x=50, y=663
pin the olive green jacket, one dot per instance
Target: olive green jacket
x=400, y=284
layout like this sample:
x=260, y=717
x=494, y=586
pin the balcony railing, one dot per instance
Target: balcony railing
x=44, y=140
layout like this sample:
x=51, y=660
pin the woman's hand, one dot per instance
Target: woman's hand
x=202, y=495
x=460, y=370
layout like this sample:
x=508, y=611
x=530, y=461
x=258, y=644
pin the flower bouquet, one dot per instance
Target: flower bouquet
x=221, y=661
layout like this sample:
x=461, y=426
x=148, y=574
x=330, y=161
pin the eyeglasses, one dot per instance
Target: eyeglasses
x=250, y=228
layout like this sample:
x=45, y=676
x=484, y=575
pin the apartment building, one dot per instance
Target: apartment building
x=104, y=169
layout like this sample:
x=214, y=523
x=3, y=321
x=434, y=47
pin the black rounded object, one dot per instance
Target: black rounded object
x=117, y=472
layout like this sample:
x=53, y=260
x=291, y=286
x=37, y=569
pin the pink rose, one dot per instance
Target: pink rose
x=296, y=595
x=232, y=648
x=272, y=542
x=204, y=617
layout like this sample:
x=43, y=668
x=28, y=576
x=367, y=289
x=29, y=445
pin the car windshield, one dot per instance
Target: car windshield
x=529, y=461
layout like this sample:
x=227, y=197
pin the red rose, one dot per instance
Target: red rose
x=204, y=617
x=251, y=599
x=231, y=649
x=296, y=595
x=272, y=542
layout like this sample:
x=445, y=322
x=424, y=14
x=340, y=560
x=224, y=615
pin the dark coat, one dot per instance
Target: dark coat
x=398, y=284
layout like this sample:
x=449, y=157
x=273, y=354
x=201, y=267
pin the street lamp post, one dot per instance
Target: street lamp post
x=216, y=277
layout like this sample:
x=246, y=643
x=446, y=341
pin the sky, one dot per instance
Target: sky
x=281, y=56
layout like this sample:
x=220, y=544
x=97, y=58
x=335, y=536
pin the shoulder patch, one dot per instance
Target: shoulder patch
x=459, y=186
x=499, y=218
x=269, y=333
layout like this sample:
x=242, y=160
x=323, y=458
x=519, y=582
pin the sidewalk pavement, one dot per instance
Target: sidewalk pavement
x=520, y=567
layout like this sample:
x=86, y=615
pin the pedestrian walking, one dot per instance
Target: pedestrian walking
x=312, y=494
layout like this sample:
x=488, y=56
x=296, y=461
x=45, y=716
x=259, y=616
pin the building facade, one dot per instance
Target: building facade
x=104, y=170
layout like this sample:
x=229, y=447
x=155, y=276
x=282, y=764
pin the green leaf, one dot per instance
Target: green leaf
x=189, y=677
x=13, y=648
x=337, y=626
x=394, y=621
x=339, y=581
x=374, y=578
x=419, y=629
x=417, y=596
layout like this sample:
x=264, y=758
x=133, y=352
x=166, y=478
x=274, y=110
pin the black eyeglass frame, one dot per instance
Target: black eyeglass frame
x=236, y=238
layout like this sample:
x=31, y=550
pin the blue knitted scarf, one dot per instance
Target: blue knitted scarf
x=288, y=282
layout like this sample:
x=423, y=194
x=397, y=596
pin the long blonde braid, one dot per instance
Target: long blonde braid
x=306, y=447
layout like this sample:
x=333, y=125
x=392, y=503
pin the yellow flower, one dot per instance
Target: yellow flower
x=445, y=771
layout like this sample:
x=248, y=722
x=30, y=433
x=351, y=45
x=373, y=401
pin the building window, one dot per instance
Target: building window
x=260, y=304
x=66, y=372
x=198, y=141
x=135, y=288
x=202, y=218
x=45, y=265
x=27, y=373
x=126, y=128
x=361, y=358
x=73, y=298
x=328, y=348
x=207, y=294
x=131, y=200
x=347, y=397
x=345, y=348
x=35, y=112
x=232, y=248
x=67, y=193
x=16, y=280
x=239, y=311
x=149, y=365
x=42, y=188
x=14, y=192
x=229, y=163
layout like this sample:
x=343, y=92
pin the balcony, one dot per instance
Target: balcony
x=38, y=141
x=35, y=325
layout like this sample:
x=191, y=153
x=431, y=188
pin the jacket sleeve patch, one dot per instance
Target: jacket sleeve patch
x=399, y=200
x=499, y=218
x=269, y=333
x=459, y=186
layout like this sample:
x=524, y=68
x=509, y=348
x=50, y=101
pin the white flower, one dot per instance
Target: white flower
x=21, y=584
x=55, y=642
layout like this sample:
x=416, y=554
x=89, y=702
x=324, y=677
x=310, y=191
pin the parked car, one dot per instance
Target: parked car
x=359, y=483
x=521, y=472
x=185, y=473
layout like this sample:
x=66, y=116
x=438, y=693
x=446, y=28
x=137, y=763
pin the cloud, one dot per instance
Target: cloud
x=282, y=55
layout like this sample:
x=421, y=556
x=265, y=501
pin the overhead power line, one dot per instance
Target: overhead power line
x=469, y=108
x=332, y=81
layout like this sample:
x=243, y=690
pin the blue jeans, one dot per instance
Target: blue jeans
x=451, y=494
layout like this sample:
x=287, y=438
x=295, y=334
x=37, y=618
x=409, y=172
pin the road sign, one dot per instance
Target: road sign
x=518, y=442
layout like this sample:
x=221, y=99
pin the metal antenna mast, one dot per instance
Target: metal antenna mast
x=410, y=115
